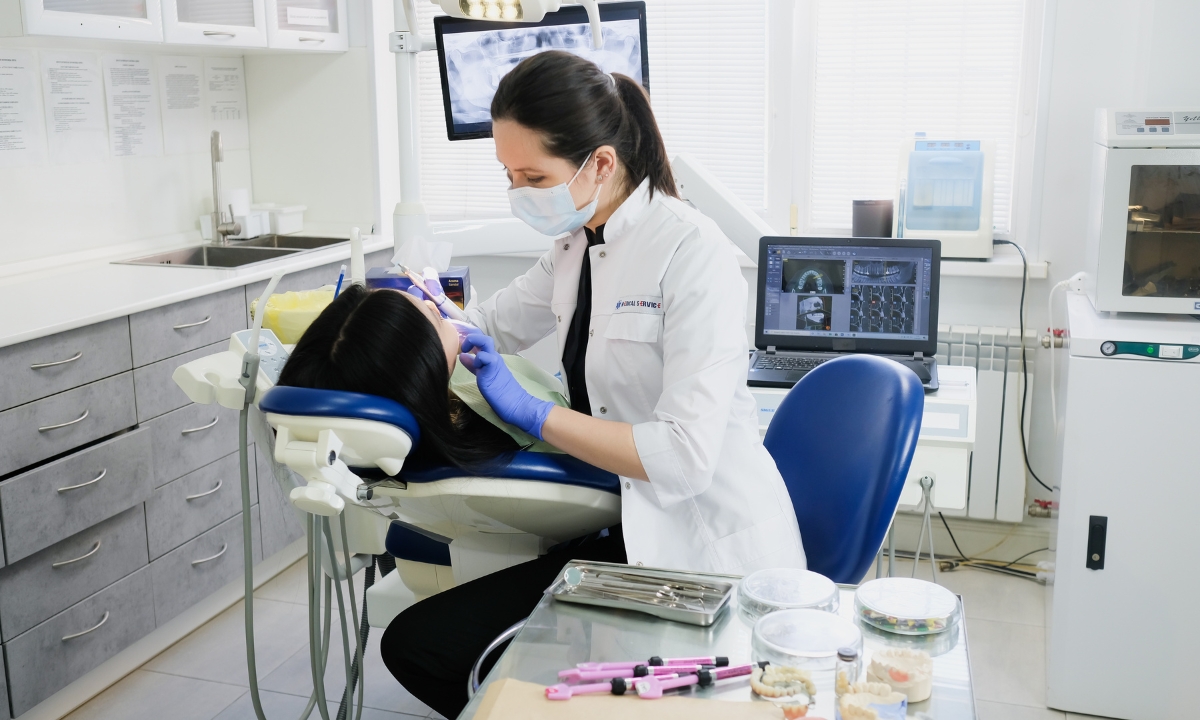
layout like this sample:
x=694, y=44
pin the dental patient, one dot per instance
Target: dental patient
x=389, y=343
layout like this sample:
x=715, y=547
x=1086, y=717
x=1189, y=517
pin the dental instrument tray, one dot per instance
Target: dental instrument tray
x=686, y=597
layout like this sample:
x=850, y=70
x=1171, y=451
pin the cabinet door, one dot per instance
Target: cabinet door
x=316, y=25
x=108, y=19
x=235, y=23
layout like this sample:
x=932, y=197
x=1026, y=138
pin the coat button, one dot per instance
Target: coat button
x=639, y=563
x=627, y=486
x=591, y=332
x=566, y=246
x=603, y=411
x=601, y=253
x=560, y=318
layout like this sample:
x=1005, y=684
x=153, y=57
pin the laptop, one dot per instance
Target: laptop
x=821, y=298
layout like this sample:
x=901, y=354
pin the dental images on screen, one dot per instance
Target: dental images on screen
x=883, y=296
x=476, y=61
x=820, y=280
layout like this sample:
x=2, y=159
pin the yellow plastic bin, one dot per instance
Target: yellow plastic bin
x=289, y=314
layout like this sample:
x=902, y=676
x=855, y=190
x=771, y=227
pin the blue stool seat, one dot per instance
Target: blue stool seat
x=308, y=402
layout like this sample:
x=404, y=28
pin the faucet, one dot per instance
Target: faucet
x=221, y=230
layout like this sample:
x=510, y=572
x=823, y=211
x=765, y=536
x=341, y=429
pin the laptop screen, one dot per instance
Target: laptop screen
x=878, y=294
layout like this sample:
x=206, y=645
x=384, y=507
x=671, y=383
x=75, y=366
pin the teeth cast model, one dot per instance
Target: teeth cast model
x=904, y=670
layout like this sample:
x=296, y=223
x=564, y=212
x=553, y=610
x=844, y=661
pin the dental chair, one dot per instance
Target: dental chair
x=444, y=527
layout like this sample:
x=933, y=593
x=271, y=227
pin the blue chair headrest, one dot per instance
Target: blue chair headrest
x=307, y=402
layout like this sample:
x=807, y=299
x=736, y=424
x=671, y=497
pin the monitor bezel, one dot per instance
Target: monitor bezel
x=568, y=15
x=830, y=344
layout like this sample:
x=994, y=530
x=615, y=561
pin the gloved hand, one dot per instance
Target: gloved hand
x=435, y=287
x=511, y=402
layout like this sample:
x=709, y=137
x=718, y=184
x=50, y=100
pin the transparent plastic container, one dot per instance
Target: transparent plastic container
x=806, y=639
x=906, y=606
x=774, y=589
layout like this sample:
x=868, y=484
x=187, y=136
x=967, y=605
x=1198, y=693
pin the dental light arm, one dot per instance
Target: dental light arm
x=710, y=196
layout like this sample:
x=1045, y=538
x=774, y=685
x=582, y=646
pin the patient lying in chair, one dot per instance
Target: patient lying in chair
x=390, y=344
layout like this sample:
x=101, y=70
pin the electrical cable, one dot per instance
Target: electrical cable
x=1024, y=366
x=1031, y=552
x=981, y=562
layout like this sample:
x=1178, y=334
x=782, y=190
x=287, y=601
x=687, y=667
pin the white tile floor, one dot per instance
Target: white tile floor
x=203, y=677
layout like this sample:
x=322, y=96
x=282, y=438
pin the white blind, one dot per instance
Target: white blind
x=708, y=70
x=885, y=69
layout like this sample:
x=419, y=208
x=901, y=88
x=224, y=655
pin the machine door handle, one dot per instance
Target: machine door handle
x=93, y=481
x=95, y=549
x=215, y=33
x=189, y=498
x=189, y=325
x=93, y=628
x=224, y=547
x=189, y=431
x=79, y=419
x=73, y=358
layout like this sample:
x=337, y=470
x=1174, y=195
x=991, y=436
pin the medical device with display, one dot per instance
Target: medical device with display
x=944, y=192
x=1143, y=252
x=474, y=54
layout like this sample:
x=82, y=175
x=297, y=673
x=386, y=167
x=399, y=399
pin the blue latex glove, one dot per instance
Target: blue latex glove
x=511, y=402
x=419, y=294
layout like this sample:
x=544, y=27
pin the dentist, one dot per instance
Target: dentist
x=648, y=304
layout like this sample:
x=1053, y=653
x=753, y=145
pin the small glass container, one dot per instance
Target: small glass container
x=848, y=670
x=768, y=591
x=906, y=606
x=806, y=639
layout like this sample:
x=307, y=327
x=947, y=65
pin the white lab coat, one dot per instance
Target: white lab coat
x=667, y=353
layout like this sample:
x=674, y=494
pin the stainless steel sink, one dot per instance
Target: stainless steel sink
x=294, y=242
x=212, y=256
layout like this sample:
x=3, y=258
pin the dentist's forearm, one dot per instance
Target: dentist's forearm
x=604, y=443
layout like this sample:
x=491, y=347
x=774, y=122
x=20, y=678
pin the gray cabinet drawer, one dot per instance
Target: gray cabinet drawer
x=168, y=331
x=281, y=522
x=313, y=278
x=196, y=502
x=60, y=362
x=47, y=658
x=201, y=566
x=156, y=392
x=191, y=437
x=56, y=578
x=64, y=497
x=56, y=424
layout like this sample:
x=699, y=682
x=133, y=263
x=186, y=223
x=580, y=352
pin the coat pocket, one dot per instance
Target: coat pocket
x=637, y=327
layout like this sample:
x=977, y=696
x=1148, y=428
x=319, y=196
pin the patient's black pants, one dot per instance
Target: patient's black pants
x=431, y=646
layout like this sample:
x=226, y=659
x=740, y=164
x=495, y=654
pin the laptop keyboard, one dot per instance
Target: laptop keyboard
x=787, y=362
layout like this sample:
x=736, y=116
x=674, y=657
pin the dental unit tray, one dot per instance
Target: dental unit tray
x=686, y=597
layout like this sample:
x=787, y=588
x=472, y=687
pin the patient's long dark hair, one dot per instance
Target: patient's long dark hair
x=379, y=343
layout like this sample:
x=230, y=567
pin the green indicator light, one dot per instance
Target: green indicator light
x=1149, y=349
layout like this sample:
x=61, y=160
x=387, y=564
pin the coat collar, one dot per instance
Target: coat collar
x=627, y=215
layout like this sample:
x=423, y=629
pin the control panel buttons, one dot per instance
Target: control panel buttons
x=1171, y=351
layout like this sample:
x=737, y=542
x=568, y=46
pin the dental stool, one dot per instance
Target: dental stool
x=444, y=526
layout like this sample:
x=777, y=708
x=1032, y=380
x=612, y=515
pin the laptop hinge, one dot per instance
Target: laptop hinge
x=919, y=357
x=770, y=349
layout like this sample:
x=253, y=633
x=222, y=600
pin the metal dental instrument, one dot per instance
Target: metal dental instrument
x=445, y=304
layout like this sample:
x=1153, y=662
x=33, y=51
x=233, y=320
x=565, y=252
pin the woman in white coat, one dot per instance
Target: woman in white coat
x=648, y=304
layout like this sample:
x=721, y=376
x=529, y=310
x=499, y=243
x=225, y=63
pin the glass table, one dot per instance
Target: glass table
x=558, y=635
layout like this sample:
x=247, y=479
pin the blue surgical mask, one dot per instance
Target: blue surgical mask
x=551, y=211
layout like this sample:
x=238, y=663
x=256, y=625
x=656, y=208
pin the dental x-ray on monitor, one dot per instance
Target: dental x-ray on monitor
x=475, y=54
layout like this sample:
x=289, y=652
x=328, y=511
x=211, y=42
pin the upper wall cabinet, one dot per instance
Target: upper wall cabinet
x=233, y=23
x=307, y=24
x=109, y=19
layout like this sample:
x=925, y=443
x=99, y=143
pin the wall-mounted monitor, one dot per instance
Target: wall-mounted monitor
x=475, y=54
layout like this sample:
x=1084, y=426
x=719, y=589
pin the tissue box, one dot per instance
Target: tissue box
x=456, y=281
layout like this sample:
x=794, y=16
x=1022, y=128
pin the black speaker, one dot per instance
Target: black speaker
x=872, y=218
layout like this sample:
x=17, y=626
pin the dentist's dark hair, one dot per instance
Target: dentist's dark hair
x=378, y=342
x=576, y=107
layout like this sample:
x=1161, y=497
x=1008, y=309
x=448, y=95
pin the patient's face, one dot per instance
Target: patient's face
x=446, y=332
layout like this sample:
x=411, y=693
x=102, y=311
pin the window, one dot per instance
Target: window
x=708, y=84
x=885, y=69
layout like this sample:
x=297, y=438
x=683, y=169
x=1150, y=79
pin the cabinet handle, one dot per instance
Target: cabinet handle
x=91, y=629
x=189, y=498
x=95, y=549
x=73, y=358
x=195, y=324
x=311, y=39
x=66, y=424
x=214, y=557
x=203, y=427
x=95, y=480
x=214, y=33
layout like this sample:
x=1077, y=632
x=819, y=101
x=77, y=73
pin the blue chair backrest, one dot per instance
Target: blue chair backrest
x=843, y=439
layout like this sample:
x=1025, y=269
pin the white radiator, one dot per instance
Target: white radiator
x=997, y=486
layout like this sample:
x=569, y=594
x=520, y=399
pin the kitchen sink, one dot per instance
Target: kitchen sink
x=293, y=242
x=212, y=256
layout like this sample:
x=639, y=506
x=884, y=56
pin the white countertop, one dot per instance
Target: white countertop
x=54, y=300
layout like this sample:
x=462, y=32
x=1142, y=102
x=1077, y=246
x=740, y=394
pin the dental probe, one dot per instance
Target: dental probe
x=445, y=304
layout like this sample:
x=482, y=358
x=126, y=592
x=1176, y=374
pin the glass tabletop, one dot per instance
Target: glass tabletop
x=558, y=635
